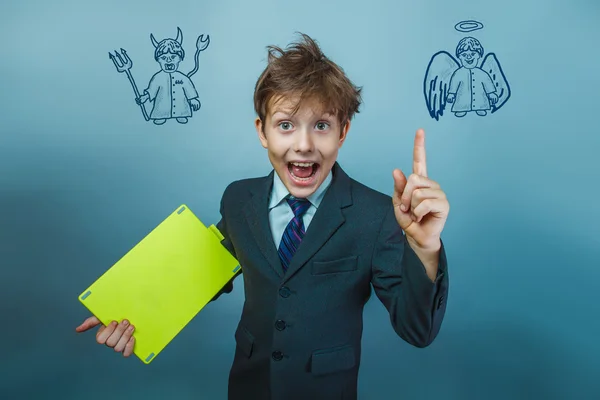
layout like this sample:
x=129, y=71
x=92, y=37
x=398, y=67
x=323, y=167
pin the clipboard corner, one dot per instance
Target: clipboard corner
x=183, y=207
x=84, y=295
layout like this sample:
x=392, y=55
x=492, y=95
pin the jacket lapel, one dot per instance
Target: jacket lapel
x=257, y=216
x=328, y=218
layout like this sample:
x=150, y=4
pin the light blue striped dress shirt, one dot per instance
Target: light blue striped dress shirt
x=280, y=213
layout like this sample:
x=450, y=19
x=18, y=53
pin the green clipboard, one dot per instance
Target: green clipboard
x=163, y=282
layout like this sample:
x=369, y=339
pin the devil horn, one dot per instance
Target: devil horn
x=179, y=38
x=154, y=42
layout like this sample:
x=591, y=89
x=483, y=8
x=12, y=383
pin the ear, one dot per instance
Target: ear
x=260, y=131
x=344, y=132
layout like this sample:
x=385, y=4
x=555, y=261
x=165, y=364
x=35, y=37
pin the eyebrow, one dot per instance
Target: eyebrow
x=284, y=112
x=288, y=113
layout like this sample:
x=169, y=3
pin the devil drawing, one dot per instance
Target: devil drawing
x=172, y=93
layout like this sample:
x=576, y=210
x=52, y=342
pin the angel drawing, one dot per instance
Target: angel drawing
x=468, y=85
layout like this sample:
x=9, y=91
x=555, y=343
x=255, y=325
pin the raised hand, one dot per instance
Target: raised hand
x=420, y=204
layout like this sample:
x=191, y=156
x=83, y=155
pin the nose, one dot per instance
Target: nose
x=304, y=141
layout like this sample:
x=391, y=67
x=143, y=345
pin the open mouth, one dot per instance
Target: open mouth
x=169, y=67
x=469, y=61
x=303, y=172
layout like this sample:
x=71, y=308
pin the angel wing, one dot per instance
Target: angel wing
x=492, y=67
x=437, y=80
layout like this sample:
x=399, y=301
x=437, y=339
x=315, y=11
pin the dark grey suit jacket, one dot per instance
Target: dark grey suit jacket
x=299, y=336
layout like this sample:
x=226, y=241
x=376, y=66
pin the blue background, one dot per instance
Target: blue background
x=83, y=177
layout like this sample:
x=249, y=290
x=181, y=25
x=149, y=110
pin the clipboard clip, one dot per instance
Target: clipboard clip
x=217, y=233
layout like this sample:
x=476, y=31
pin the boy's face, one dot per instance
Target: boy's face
x=302, y=148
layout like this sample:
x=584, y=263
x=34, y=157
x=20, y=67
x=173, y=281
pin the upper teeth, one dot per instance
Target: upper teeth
x=299, y=164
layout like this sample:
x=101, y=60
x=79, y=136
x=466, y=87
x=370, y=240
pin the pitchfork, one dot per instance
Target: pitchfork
x=123, y=64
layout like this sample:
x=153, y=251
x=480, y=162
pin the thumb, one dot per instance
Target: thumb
x=400, y=181
x=88, y=324
x=399, y=184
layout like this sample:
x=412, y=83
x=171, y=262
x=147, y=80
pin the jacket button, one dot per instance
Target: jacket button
x=284, y=292
x=280, y=325
x=277, y=355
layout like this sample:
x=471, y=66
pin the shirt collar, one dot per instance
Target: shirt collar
x=279, y=192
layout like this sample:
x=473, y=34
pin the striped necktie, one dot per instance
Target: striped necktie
x=294, y=232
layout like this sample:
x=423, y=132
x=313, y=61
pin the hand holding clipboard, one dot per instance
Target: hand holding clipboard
x=159, y=286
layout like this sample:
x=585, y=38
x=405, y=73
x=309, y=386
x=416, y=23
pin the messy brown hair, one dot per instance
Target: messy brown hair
x=303, y=70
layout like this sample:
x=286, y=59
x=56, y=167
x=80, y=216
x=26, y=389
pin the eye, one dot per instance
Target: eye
x=322, y=126
x=285, y=126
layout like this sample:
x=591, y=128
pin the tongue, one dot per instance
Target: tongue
x=301, y=172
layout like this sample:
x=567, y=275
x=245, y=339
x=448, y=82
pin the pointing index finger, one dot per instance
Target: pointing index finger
x=419, y=157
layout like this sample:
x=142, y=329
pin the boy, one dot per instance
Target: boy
x=311, y=241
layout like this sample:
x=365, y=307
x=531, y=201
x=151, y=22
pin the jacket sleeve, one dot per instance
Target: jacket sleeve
x=416, y=305
x=226, y=242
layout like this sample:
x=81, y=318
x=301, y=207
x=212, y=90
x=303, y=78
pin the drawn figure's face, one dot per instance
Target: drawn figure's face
x=302, y=147
x=169, y=62
x=469, y=59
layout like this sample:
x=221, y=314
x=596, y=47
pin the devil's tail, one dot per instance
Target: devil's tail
x=196, y=63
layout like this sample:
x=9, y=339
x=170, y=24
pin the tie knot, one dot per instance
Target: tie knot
x=299, y=206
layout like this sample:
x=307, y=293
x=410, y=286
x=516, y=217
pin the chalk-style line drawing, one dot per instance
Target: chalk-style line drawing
x=172, y=93
x=468, y=26
x=466, y=84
